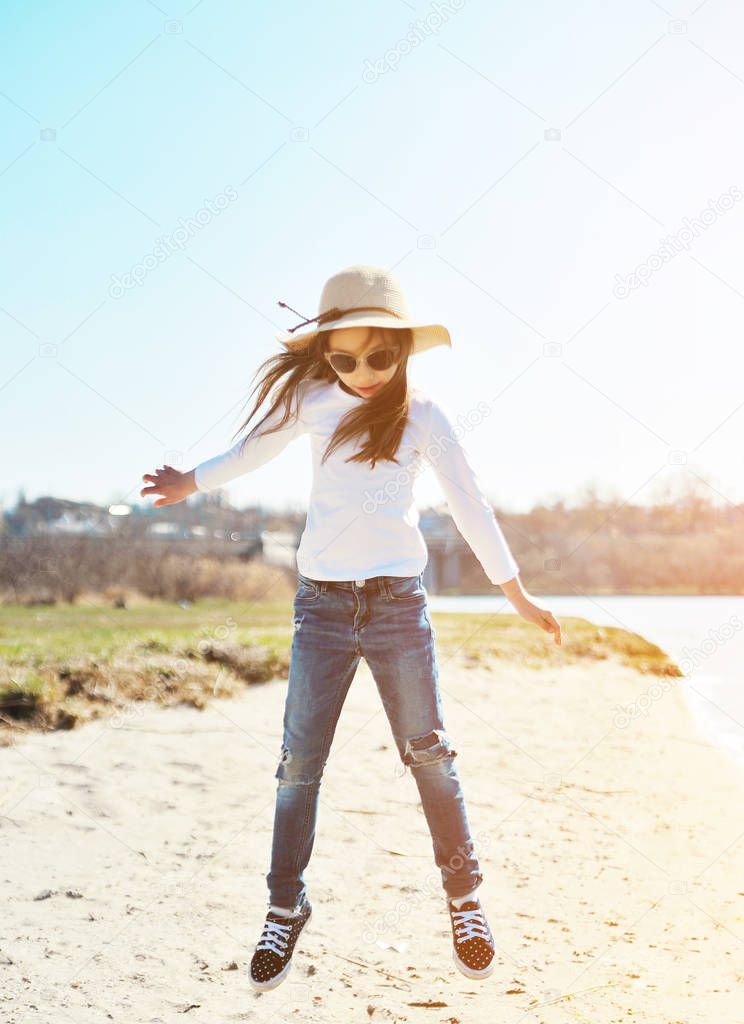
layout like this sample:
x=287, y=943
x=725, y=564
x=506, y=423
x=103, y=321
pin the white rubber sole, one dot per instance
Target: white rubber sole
x=266, y=986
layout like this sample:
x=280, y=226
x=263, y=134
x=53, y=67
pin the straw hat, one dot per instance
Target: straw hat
x=364, y=296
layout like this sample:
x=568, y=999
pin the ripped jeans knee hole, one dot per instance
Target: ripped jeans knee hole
x=427, y=749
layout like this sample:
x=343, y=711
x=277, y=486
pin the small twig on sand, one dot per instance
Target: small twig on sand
x=360, y=963
x=569, y=995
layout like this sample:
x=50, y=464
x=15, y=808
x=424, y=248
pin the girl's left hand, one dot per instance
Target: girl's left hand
x=541, y=617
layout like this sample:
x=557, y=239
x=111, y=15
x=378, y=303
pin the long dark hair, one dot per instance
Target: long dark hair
x=380, y=419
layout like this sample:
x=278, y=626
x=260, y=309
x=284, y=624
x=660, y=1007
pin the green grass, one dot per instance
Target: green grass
x=62, y=664
x=38, y=634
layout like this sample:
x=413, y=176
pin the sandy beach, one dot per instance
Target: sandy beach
x=135, y=850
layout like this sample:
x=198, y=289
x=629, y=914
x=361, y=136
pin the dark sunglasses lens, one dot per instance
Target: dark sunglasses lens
x=342, y=363
x=383, y=359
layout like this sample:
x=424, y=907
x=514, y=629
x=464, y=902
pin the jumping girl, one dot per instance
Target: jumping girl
x=360, y=590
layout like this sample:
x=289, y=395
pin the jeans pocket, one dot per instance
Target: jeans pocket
x=406, y=588
x=307, y=590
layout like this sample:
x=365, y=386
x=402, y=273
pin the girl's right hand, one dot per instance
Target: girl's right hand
x=540, y=616
x=168, y=481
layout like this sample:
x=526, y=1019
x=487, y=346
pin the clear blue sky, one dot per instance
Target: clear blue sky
x=329, y=139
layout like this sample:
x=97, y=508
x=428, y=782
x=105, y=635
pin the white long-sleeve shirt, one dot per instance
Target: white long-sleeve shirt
x=363, y=522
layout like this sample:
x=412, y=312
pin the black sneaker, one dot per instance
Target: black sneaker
x=272, y=958
x=472, y=942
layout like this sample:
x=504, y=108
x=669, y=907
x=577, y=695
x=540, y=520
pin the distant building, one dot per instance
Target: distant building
x=448, y=551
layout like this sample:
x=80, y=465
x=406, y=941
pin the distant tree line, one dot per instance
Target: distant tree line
x=686, y=546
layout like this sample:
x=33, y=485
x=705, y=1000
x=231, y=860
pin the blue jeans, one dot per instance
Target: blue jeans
x=384, y=620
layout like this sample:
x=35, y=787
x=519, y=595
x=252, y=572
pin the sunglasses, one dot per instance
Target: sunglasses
x=380, y=359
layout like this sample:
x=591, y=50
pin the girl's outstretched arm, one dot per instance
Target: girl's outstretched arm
x=258, y=448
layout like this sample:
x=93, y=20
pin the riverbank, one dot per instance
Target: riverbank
x=136, y=849
x=64, y=665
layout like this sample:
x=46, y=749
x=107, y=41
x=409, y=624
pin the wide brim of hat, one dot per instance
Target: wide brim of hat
x=424, y=335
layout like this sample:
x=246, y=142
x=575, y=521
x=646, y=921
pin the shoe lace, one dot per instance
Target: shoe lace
x=274, y=936
x=470, y=924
